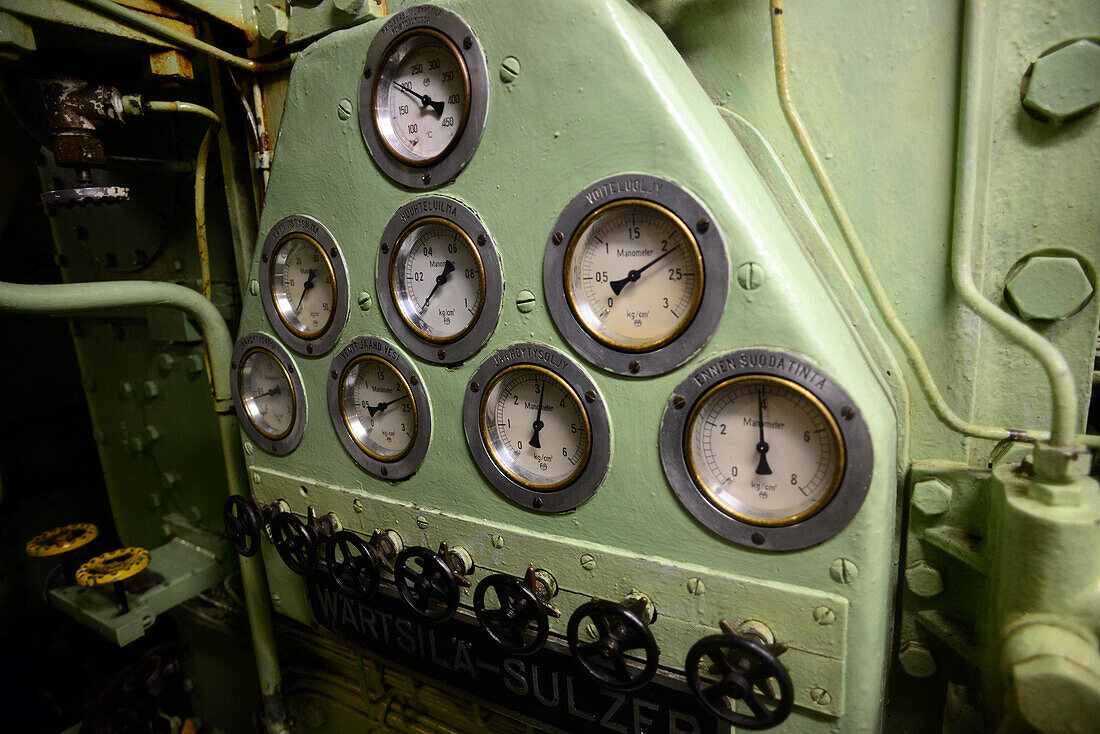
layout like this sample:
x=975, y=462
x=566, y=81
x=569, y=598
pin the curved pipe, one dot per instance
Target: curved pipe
x=83, y=297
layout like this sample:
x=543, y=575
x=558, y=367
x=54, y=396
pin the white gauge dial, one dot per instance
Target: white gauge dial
x=535, y=427
x=764, y=449
x=634, y=275
x=421, y=97
x=303, y=286
x=266, y=393
x=438, y=280
x=378, y=408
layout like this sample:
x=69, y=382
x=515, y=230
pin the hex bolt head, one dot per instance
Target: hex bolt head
x=151, y=389
x=350, y=8
x=931, y=496
x=195, y=364
x=1064, y=83
x=166, y=362
x=273, y=23
x=1028, y=287
x=923, y=580
x=917, y=660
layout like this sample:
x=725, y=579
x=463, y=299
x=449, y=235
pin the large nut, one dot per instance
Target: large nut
x=1048, y=287
x=917, y=660
x=1063, y=84
x=923, y=580
x=273, y=23
x=931, y=496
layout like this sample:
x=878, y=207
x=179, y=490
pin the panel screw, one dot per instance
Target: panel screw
x=254, y=287
x=757, y=538
x=843, y=571
x=824, y=616
x=385, y=248
x=364, y=300
x=474, y=386
x=537, y=502
x=678, y=402
x=847, y=412
x=498, y=541
x=263, y=257
x=426, y=178
x=248, y=448
x=558, y=238
x=635, y=366
x=309, y=349
x=525, y=301
x=591, y=631
x=695, y=586
x=343, y=110
x=467, y=43
x=414, y=380
x=750, y=276
x=509, y=69
x=151, y=389
x=441, y=355
x=482, y=239
x=820, y=696
x=357, y=505
x=590, y=396
x=421, y=522
x=366, y=73
x=588, y=562
x=702, y=225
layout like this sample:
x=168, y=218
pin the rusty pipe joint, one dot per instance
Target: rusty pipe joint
x=75, y=109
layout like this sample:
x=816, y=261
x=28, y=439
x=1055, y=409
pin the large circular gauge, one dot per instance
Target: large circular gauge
x=766, y=450
x=379, y=408
x=424, y=96
x=537, y=428
x=636, y=274
x=267, y=391
x=304, y=284
x=439, y=279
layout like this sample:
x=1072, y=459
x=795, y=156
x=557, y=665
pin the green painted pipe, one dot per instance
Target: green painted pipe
x=83, y=297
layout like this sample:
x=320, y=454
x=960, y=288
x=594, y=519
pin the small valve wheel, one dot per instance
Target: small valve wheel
x=355, y=571
x=114, y=567
x=618, y=629
x=296, y=543
x=519, y=624
x=432, y=591
x=60, y=541
x=242, y=525
x=740, y=668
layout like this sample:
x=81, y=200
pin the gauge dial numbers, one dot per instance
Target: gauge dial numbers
x=628, y=283
x=766, y=450
x=423, y=97
x=537, y=428
x=305, y=284
x=634, y=275
x=379, y=408
x=440, y=283
x=267, y=392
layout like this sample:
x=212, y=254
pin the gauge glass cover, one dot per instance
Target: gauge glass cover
x=535, y=427
x=437, y=280
x=634, y=275
x=421, y=97
x=266, y=393
x=303, y=285
x=378, y=408
x=763, y=449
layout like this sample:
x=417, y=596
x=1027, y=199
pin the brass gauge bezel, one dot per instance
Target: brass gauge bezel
x=389, y=63
x=350, y=423
x=400, y=255
x=391, y=468
x=274, y=443
x=577, y=403
x=562, y=495
x=830, y=425
x=855, y=464
x=696, y=257
x=278, y=295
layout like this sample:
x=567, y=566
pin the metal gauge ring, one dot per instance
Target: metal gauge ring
x=636, y=274
x=440, y=284
x=267, y=392
x=424, y=96
x=766, y=450
x=379, y=408
x=304, y=284
x=537, y=427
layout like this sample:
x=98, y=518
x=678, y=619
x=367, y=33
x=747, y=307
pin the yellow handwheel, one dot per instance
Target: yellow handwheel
x=114, y=567
x=60, y=541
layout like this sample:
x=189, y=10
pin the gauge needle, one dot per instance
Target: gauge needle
x=538, y=425
x=618, y=285
x=762, y=447
x=273, y=391
x=305, y=288
x=374, y=409
x=424, y=99
x=448, y=268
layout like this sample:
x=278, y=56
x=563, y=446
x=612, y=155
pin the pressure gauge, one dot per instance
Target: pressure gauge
x=424, y=95
x=439, y=279
x=267, y=392
x=766, y=450
x=629, y=283
x=304, y=284
x=379, y=408
x=537, y=428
